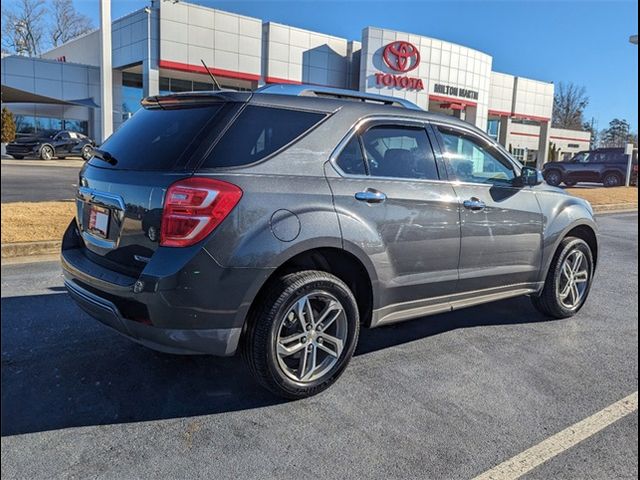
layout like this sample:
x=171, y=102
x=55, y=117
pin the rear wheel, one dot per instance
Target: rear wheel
x=569, y=280
x=553, y=178
x=612, y=180
x=303, y=334
x=46, y=152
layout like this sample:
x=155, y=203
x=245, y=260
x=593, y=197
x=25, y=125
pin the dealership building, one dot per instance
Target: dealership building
x=160, y=49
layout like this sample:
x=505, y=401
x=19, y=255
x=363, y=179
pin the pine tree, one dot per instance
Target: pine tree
x=8, y=126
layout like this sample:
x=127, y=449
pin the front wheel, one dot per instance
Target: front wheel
x=553, y=178
x=569, y=280
x=303, y=334
x=87, y=152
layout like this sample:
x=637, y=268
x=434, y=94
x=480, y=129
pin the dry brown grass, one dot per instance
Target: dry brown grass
x=35, y=221
x=42, y=221
x=607, y=196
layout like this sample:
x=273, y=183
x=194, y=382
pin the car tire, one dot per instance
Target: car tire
x=18, y=157
x=612, y=180
x=553, y=178
x=87, y=152
x=284, y=344
x=558, y=298
x=47, y=152
x=570, y=184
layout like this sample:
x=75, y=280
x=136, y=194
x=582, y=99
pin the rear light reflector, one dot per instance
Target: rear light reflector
x=194, y=207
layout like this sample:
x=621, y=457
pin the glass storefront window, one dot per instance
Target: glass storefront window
x=25, y=125
x=178, y=85
x=493, y=128
x=80, y=126
x=28, y=125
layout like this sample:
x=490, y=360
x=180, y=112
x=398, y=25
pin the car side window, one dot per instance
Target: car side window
x=399, y=152
x=582, y=157
x=468, y=159
x=351, y=160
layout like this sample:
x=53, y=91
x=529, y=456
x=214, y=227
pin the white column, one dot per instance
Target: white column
x=150, y=69
x=505, y=129
x=106, y=83
x=543, y=143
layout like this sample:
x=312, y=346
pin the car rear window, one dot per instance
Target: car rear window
x=157, y=139
x=257, y=133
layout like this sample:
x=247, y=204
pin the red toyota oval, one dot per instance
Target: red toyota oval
x=401, y=56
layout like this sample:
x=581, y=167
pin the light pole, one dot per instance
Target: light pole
x=106, y=81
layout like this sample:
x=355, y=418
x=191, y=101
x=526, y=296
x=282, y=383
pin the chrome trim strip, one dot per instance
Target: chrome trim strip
x=398, y=312
x=95, y=196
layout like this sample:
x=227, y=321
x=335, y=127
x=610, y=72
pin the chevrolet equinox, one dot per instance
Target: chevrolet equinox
x=279, y=222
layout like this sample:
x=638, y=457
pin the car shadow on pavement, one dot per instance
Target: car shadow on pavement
x=62, y=369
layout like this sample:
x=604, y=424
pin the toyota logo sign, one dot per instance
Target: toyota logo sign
x=401, y=56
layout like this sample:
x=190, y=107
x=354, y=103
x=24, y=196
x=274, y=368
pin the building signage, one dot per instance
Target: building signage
x=401, y=57
x=455, y=91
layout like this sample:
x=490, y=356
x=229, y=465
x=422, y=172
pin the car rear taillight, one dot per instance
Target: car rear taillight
x=194, y=207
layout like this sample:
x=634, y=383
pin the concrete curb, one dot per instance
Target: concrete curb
x=615, y=208
x=23, y=249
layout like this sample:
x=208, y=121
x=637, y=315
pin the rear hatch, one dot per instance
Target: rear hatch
x=122, y=189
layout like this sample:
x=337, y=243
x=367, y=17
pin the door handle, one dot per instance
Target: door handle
x=371, y=196
x=474, y=204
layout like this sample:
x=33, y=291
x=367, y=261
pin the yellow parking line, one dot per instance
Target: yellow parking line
x=547, y=449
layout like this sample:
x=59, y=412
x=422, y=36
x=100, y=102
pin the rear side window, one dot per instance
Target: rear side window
x=257, y=133
x=401, y=152
x=156, y=139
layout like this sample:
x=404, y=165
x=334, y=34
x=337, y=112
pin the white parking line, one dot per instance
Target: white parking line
x=561, y=441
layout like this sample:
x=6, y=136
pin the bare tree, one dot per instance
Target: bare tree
x=67, y=22
x=569, y=103
x=22, y=30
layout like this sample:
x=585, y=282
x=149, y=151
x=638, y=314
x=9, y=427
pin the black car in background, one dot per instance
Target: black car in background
x=602, y=165
x=50, y=144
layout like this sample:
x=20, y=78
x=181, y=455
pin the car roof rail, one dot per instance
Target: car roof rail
x=338, y=93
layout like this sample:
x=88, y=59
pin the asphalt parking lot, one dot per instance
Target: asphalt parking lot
x=38, y=183
x=445, y=397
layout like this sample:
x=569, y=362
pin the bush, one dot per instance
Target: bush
x=8, y=126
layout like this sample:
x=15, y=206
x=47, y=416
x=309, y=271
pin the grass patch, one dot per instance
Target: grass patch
x=44, y=221
x=606, y=196
x=35, y=221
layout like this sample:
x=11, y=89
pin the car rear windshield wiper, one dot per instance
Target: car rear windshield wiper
x=105, y=156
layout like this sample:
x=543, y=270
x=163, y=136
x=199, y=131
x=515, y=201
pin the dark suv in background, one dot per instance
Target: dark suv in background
x=280, y=222
x=603, y=165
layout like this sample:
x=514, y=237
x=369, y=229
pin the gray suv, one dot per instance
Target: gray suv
x=280, y=222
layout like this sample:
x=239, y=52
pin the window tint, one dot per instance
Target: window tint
x=401, y=152
x=582, y=157
x=470, y=160
x=351, y=160
x=257, y=133
x=156, y=139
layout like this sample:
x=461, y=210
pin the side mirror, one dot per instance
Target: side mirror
x=530, y=176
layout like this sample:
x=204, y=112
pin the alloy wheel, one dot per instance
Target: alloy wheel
x=47, y=153
x=311, y=337
x=574, y=280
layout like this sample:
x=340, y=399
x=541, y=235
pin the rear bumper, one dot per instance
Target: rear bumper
x=188, y=303
x=217, y=341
